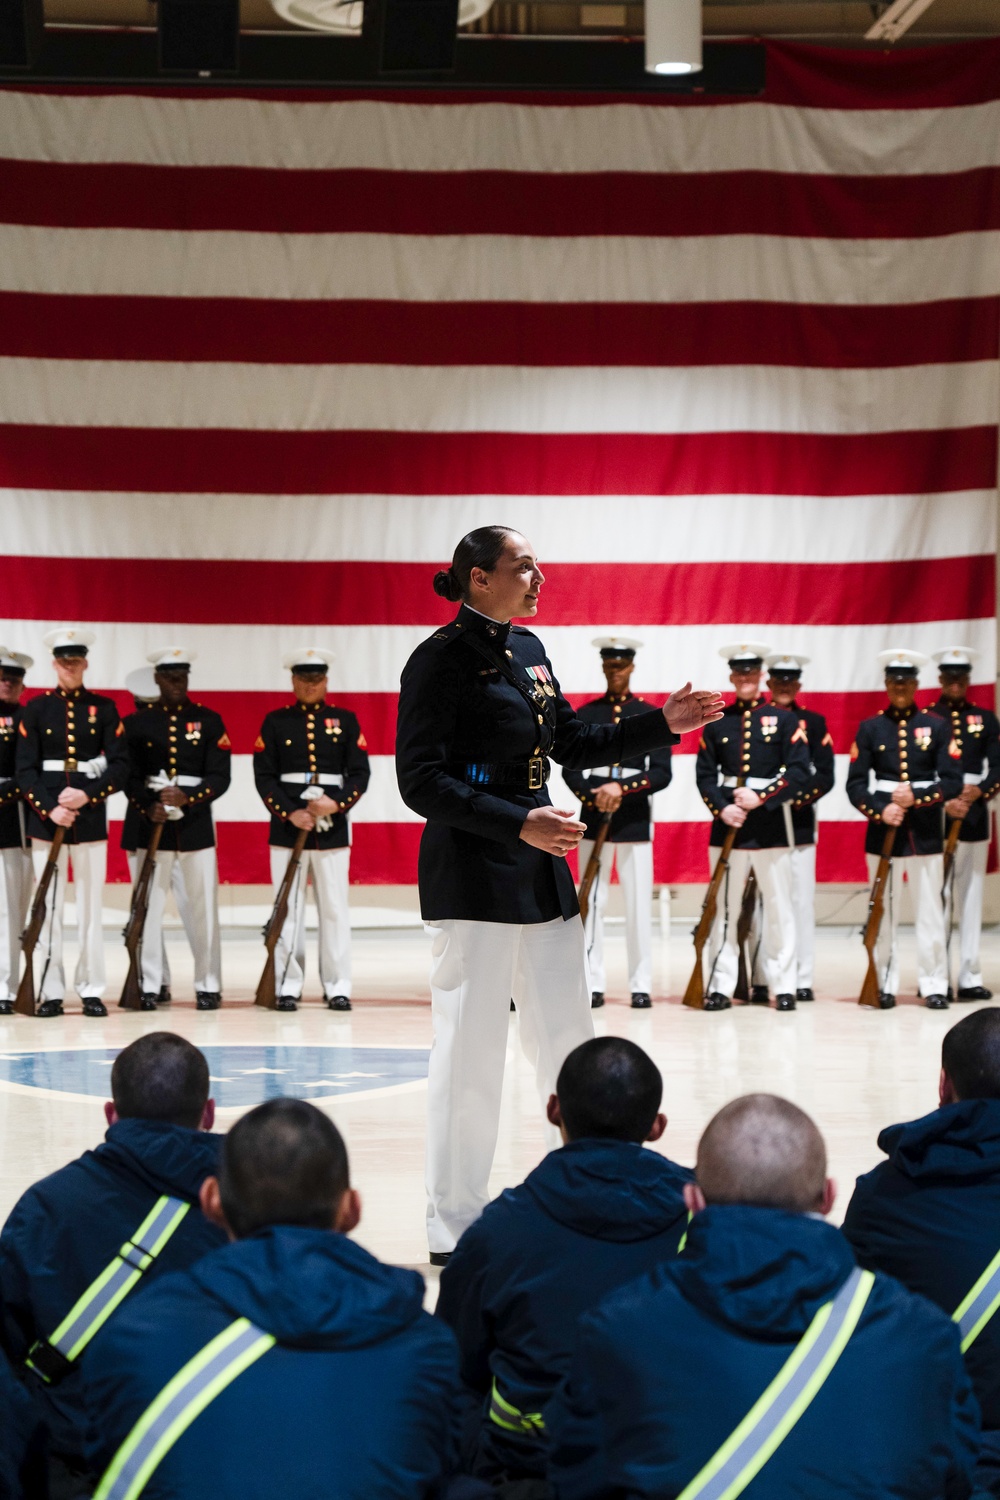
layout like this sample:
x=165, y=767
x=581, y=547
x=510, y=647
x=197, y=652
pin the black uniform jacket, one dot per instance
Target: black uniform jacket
x=324, y=739
x=632, y=823
x=72, y=727
x=461, y=717
x=754, y=740
x=12, y=818
x=905, y=745
x=821, y=772
x=187, y=741
x=976, y=732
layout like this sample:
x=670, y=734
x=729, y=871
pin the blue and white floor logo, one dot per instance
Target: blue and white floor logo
x=239, y=1075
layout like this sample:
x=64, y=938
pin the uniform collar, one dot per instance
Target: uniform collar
x=951, y=705
x=790, y=708
x=69, y=692
x=495, y=631
x=900, y=715
x=617, y=698
x=181, y=707
x=311, y=708
x=745, y=705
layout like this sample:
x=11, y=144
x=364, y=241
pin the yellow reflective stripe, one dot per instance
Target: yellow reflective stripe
x=970, y=1335
x=684, y=1237
x=504, y=1415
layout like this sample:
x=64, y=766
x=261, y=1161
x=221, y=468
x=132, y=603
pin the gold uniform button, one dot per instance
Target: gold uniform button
x=540, y=719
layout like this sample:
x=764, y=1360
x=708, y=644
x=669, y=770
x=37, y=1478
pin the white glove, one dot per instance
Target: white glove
x=92, y=769
x=323, y=825
x=156, y=784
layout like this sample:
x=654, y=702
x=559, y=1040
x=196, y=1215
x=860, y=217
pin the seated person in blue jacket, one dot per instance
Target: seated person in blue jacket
x=23, y=1440
x=930, y=1214
x=763, y=1360
x=66, y=1232
x=594, y=1214
x=288, y=1363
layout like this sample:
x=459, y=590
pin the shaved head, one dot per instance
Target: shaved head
x=764, y=1152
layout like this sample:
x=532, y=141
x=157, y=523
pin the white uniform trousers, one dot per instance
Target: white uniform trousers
x=90, y=863
x=16, y=876
x=925, y=873
x=777, y=949
x=802, y=888
x=477, y=967
x=192, y=875
x=635, y=871
x=330, y=870
x=967, y=895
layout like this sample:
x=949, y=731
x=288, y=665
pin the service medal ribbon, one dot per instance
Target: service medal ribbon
x=923, y=738
x=974, y=723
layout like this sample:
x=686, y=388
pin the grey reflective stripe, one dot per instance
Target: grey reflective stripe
x=975, y=1311
x=791, y=1392
x=99, y=1301
x=194, y=1387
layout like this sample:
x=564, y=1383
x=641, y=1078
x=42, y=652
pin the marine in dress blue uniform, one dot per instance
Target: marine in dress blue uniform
x=179, y=765
x=757, y=754
x=16, y=873
x=70, y=758
x=976, y=732
x=905, y=758
x=141, y=683
x=627, y=792
x=308, y=749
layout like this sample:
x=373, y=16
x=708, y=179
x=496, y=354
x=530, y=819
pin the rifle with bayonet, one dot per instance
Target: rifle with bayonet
x=592, y=871
x=24, y=1004
x=266, y=994
x=131, y=996
x=871, y=989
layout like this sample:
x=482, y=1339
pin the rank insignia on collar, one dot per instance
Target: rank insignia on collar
x=922, y=736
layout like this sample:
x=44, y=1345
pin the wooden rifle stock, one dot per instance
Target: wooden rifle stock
x=748, y=907
x=871, y=988
x=24, y=1004
x=593, y=866
x=694, y=995
x=131, y=996
x=266, y=995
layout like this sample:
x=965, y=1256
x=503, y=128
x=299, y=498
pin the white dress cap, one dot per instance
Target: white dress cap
x=172, y=656
x=745, y=651
x=309, y=657
x=616, y=643
x=15, y=659
x=956, y=656
x=898, y=657
x=142, y=684
x=68, y=636
x=787, y=662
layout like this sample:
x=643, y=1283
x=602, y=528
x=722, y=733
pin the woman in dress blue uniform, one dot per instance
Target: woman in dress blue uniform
x=480, y=712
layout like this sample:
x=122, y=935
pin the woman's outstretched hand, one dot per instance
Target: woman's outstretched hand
x=686, y=710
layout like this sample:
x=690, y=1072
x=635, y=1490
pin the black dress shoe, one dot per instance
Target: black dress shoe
x=784, y=1002
x=147, y=1002
x=439, y=1257
x=94, y=1007
x=513, y=1007
x=596, y=999
x=717, y=1001
x=6, y=1007
x=975, y=992
x=286, y=1002
x=207, y=1000
x=164, y=997
x=886, y=1001
x=641, y=1001
x=936, y=1002
x=758, y=995
x=803, y=995
x=341, y=1002
x=50, y=1008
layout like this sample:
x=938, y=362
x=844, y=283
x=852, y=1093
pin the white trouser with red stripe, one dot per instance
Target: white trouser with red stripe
x=970, y=883
x=635, y=871
x=329, y=870
x=476, y=969
x=924, y=875
x=192, y=876
x=89, y=863
x=16, y=876
x=773, y=868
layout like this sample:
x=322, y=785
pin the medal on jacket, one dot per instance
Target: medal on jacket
x=6, y=727
x=92, y=712
x=922, y=736
x=332, y=726
x=192, y=731
x=768, y=725
x=542, y=681
x=974, y=723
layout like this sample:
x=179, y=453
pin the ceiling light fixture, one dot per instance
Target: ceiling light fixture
x=900, y=16
x=673, y=37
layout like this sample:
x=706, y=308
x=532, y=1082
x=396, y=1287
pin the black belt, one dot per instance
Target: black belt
x=529, y=775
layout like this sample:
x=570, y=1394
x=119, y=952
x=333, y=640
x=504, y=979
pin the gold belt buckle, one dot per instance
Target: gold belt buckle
x=70, y=765
x=536, y=766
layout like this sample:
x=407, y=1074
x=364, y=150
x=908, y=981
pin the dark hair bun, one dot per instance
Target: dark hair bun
x=447, y=585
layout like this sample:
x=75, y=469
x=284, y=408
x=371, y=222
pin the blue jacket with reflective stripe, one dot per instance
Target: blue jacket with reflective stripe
x=930, y=1216
x=668, y=1366
x=359, y=1399
x=23, y=1450
x=63, y=1232
x=592, y=1215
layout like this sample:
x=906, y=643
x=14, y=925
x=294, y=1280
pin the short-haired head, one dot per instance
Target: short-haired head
x=970, y=1057
x=610, y=1089
x=160, y=1076
x=477, y=549
x=763, y=1152
x=283, y=1163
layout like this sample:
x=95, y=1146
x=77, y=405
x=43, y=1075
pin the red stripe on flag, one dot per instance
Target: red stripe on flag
x=167, y=460
x=252, y=330
x=234, y=592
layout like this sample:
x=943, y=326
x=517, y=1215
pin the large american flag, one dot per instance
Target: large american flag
x=731, y=366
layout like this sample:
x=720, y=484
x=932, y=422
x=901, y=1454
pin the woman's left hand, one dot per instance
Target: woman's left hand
x=686, y=710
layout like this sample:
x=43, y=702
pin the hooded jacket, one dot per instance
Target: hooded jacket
x=358, y=1398
x=64, y=1231
x=668, y=1366
x=592, y=1215
x=930, y=1216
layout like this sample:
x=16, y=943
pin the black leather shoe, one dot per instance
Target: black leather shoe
x=207, y=1000
x=975, y=992
x=717, y=1001
x=94, y=1007
x=439, y=1257
x=596, y=999
x=641, y=1001
x=886, y=1001
x=802, y=996
x=50, y=1008
x=758, y=995
x=6, y=1007
x=286, y=1002
x=936, y=1002
x=341, y=1002
x=784, y=1002
x=164, y=997
x=513, y=1007
x=147, y=1002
